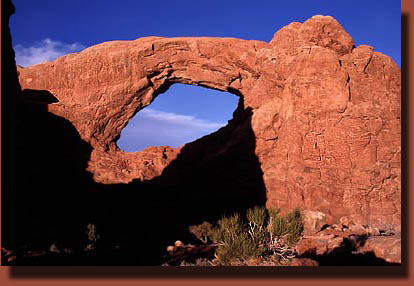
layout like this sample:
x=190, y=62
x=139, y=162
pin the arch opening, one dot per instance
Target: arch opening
x=181, y=114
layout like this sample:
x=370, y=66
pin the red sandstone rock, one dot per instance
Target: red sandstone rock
x=331, y=243
x=385, y=247
x=313, y=221
x=325, y=115
x=319, y=245
x=303, y=262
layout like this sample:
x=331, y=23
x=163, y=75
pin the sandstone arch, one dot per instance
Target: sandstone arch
x=325, y=115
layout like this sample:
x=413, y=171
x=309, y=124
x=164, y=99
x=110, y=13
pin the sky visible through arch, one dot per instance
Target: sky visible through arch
x=167, y=120
x=46, y=29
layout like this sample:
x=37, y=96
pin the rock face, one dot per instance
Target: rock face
x=344, y=247
x=324, y=115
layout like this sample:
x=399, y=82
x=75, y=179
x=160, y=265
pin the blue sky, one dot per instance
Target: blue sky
x=45, y=29
x=182, y=114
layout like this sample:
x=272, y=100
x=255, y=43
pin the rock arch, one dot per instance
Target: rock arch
x=325, y=115
x=124, y=77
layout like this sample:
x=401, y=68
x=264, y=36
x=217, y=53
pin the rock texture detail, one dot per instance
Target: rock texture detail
x=325, y=114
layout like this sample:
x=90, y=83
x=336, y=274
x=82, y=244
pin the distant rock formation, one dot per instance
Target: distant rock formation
x=324, y=114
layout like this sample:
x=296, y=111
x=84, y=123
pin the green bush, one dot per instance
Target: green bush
x=202, y=231
x=278, y=226
x=257, y=215
x=257, y=226
x=233, y=240
x=228, y=229
x=93, y=236
x=295, y=226
x=260, y=232
x=288, y=227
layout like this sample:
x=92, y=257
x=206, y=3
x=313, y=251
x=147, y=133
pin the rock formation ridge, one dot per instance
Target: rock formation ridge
x=324, y=114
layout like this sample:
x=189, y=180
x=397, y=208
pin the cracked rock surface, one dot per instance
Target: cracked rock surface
x=325, y=114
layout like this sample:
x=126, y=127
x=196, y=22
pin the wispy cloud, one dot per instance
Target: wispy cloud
x=44, y=51
x=157, y=128
x=180, y=120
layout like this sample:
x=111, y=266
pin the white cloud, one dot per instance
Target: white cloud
x=180, y=120
x=44, y=51
x=157, y=128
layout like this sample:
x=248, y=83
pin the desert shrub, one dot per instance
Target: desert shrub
x=228, y=228
x=260, y=232
x=287, y=228
x=278, y=226
x=257, y=226
x=93, y=236
x=295, y=226
x=92, y=233
x=240, y=248
x=233, y=240
x=202, y=231
x=257, y=215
